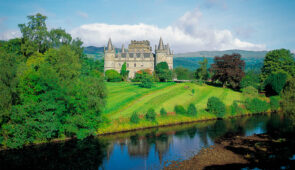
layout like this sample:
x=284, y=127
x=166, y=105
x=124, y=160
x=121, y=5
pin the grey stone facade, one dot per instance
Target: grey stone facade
x=138, y=56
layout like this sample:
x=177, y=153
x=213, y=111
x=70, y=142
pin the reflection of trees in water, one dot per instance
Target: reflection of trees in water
x=88, y=153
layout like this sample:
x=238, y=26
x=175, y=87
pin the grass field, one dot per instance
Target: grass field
x=124, y=98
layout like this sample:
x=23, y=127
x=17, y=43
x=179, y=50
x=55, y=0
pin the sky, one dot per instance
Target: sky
x=187, y=25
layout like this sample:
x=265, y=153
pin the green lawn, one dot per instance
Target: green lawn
x=124, y=98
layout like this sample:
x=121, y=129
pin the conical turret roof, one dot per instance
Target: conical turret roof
x=161, y=45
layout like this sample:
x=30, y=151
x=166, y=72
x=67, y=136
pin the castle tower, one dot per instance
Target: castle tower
x=109, y=56
x=163, y=54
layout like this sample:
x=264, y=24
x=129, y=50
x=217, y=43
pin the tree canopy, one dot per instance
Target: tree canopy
x=163, y=72
x=228, y=69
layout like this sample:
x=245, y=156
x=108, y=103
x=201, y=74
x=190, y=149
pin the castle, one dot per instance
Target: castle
x=138, y=56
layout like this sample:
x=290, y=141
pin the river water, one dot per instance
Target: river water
x=145, y=149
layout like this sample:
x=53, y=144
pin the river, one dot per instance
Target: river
x=145, y=149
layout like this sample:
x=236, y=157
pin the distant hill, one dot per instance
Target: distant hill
x=244, y=53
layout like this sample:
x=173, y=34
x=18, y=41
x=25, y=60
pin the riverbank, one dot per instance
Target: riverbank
x=264, y=151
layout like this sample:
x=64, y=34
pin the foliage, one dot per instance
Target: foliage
x=163, y=112
x=124, y=72
x=228, y=69
x=183, y=73
x=250, y=91
x=288, y=97
x=193, y=91
x=274, y=103
x=275, y=61
x=163, y=72
x=134, y=118
x=202, y=72
x=216, y=106
x=43, y=93
x=274, y=83
x=192, y=110
x=113, y=76
x=179, y=109
x=146, y=80
x=90, y=65
x=151, y=115
x=256, y=105
x=250, y=79
x=236, y=109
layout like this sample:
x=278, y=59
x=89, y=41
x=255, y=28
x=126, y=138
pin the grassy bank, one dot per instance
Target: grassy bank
x=125, y=98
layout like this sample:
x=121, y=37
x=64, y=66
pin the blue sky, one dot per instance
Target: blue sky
x=189, y=25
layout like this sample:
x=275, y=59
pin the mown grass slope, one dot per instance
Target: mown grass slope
x=125, y=98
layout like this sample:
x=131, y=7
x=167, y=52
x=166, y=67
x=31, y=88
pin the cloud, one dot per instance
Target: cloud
x=82, y=14
x=9, y=35
x=188, y=33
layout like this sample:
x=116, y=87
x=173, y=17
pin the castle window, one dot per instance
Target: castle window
x=134, y=64
x=127, y=65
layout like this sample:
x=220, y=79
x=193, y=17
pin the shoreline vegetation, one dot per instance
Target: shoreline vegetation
x=119, y=125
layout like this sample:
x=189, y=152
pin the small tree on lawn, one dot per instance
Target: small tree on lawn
x=151, y=115
x=163, y=112
x=134, y=118
x=192, y=110
x=215, y=106
x=124, y=72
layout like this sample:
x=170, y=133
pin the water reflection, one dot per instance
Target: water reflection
x=146, y=149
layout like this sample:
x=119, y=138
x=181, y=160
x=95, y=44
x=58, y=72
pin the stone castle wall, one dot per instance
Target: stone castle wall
x=138, y=56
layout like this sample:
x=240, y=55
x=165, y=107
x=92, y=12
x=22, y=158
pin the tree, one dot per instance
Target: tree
x=124, y=72
x=276, y=61
x=113, y=76
x=250, y=91
x=215, y=106
x=288, y=97
x=228, y=69
x=134, y=118
x=66, y=62
x=179, y=109
x=163, y=112
x=163, y=72
x=202, y=72
x=183, y=73
x=251, y=79
x=34, y=35
x=274, y=83
x=192, y=110
x=8, y=84
x=151, y=115
x=146, y=80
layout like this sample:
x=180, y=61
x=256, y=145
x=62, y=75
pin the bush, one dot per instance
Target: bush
x=250, y=91
x=236, y=109
x=274, y=103
x=151, y=115
x=215, y=106
x=146, y=80
x=113, y=76
x=256, y=105
x=163, y=112
x=134, y=118
x=179, y=109
x=192, y=110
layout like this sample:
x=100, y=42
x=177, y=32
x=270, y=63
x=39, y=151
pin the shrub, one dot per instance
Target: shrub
x=146, y=80
x=274, y=103
x=113, y=76
x=215, y=106
x=179, y=109
x=192, y=110
x=250, y=91
x=236, y=109
x=134, y=118
x=256, y=105
x=151, y=115
x=163, y=112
